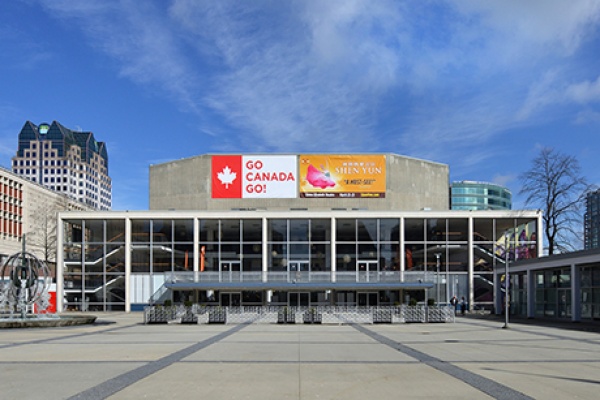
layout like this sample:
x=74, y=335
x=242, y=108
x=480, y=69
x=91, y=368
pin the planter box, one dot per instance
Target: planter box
x=286, y=317
x=312, y=318
x=202, y=318
x=158, y=315
x=382, y=316
x=217, y=317
x=189, y=316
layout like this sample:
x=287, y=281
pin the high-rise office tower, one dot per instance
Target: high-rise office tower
x=592, y=220
x=66, y=161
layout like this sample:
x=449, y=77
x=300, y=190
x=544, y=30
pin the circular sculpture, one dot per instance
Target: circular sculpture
x=25, y=284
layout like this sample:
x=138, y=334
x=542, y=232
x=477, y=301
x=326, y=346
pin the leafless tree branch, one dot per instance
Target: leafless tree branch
x=554, y=184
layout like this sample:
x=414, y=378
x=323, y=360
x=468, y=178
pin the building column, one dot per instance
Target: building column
x=60, y=268
x=127, y=264
x=575, y=293
x=265, y=258
x=265, y=249
x=333, y=250
x=530, y=294
x=196, y=249
x=402, y=251
x=497, y=292
x=471, y=255
x=540, y=236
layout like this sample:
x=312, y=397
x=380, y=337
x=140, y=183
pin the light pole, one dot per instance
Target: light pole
x=437, y=277
x=506, y=283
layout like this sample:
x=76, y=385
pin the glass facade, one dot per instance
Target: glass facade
x=116, y=261
x=467, y=195
x=564, y=286
x=592, y=220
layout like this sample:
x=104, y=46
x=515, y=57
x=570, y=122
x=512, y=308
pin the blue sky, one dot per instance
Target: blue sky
x=478, y=85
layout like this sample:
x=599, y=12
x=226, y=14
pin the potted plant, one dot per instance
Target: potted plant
x=189, y=316
x=311, y=316
x=286, y=316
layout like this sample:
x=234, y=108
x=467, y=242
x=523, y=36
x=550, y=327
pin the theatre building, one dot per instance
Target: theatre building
x=298, y=230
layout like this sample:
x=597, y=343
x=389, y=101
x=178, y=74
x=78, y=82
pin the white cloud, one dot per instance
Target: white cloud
x=137, y=35
x=584, y=92
x=311, y=80
x=555, y=26
x=542, y=92
x=504, y=180
x=587, y=116
x=438, y=77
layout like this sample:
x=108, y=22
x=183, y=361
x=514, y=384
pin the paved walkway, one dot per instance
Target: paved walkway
x=119, y=358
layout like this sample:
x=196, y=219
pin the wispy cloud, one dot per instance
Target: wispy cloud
x=439, y=77
x=137, y=36
x=585, y=92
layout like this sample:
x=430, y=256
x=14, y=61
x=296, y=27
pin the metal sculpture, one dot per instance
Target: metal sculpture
x=24, y=286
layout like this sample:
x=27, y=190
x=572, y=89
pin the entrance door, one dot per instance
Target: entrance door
x=231, y=299
x=299, y=299
x=564, y=303
x=230, y=271
x=366, y=271
x=367, y=299
x=298, y=271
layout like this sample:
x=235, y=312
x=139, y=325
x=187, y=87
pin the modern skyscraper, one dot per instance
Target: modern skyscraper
x=469, y=195
x=66, y=161
x=592, y=220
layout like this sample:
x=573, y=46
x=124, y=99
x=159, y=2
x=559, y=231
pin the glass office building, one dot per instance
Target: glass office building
x=592, y=220
x=70, y=162
x=126, y=260
x=469, y=195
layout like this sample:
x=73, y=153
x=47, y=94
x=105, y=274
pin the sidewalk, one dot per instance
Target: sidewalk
x=584, y=326
x=474, y=358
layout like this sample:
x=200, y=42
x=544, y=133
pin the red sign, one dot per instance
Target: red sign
x=226, y=177
x=257, y=176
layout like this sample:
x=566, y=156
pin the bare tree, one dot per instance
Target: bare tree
x=554, y=184
x=42, y=237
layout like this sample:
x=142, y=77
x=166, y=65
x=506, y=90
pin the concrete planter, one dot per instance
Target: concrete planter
x=286, y=317
x=217, y=317
x=312, y=317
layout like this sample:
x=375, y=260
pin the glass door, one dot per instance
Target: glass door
x=564, y=303
x=299, y=299
x=298, y=271
x=366, y=271
x=367, y=299
x=231, y=299
x=230, y=271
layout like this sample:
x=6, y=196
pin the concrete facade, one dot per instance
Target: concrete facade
x=411, y=185
x=30, y=209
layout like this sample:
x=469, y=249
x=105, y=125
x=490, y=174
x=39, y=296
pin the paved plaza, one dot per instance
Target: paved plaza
x=120, y=358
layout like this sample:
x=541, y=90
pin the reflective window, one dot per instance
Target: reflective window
x=414, y=230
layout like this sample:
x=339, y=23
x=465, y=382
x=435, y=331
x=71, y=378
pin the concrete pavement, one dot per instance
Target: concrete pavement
x=120, y=358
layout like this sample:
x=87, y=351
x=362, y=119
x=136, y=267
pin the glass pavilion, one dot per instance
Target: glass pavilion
x=126, y=260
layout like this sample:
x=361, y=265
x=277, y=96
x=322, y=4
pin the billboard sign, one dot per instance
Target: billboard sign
x=258, y=176
x=347, y=176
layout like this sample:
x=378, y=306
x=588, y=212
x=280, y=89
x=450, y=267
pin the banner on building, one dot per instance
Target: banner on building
x=348, y=176
x=258, y=176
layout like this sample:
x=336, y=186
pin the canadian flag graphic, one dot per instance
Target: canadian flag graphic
x=226, y=177
x=254, y=176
